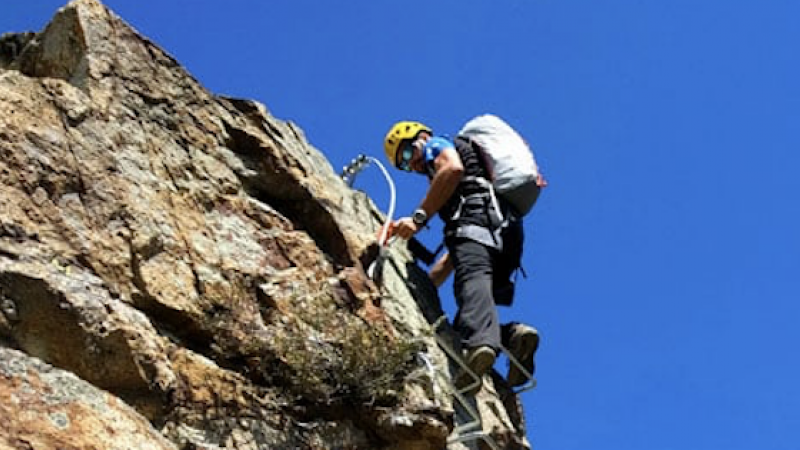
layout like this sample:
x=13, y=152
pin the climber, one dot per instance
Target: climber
x=484, y=245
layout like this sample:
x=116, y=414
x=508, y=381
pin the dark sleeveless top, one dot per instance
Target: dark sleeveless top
x=470, y=203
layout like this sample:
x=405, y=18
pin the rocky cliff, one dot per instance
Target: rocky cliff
x=180, y=270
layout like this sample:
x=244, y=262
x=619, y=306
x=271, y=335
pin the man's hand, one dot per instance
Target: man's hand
x=405, y=228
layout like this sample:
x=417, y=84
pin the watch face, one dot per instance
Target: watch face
x=419, y=217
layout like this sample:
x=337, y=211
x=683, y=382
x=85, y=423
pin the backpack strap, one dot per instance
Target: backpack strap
x=492, y=194
x=480, y=153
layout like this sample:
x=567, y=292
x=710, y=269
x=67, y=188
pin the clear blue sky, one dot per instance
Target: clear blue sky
x=664, y=258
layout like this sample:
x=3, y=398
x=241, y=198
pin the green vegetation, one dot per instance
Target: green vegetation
x=331, y=355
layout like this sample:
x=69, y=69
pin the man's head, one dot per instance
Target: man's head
x=403, y=145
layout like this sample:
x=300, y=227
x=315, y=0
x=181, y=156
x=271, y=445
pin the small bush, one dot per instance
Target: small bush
x=332, y=355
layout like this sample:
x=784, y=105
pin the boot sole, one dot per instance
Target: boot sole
x=525, y=347
x=480, y=363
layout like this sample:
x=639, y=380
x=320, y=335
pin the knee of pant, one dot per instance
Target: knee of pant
x=475, y=290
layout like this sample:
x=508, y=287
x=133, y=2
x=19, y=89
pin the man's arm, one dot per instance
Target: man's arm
x=441, y=270
x=449, y=171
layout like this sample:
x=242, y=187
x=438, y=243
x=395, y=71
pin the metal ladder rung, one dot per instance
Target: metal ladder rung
x=465, y=432
x=530, y=383
x=472, y=430
x=453, y=355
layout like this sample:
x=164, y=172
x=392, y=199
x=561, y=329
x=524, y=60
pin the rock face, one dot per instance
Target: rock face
x=180, y=270
x=43, y=407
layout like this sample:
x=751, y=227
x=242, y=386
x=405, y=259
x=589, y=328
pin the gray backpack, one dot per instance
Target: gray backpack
x=511, y=164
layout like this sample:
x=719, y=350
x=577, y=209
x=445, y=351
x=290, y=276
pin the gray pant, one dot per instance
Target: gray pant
x=482, y=281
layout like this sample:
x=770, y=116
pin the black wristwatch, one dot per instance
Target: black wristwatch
x=420, y=217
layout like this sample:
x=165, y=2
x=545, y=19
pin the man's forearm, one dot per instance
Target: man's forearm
x=441, y=270
x=443, y=185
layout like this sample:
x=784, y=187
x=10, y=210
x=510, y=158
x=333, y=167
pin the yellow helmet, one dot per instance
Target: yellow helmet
x=399, y=132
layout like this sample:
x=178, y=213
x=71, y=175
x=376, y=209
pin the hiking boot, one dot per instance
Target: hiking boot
x=480, y=360
x=522, y=345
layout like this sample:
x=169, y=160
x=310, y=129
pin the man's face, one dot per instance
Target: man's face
x=410, y=157
x=418, y=161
